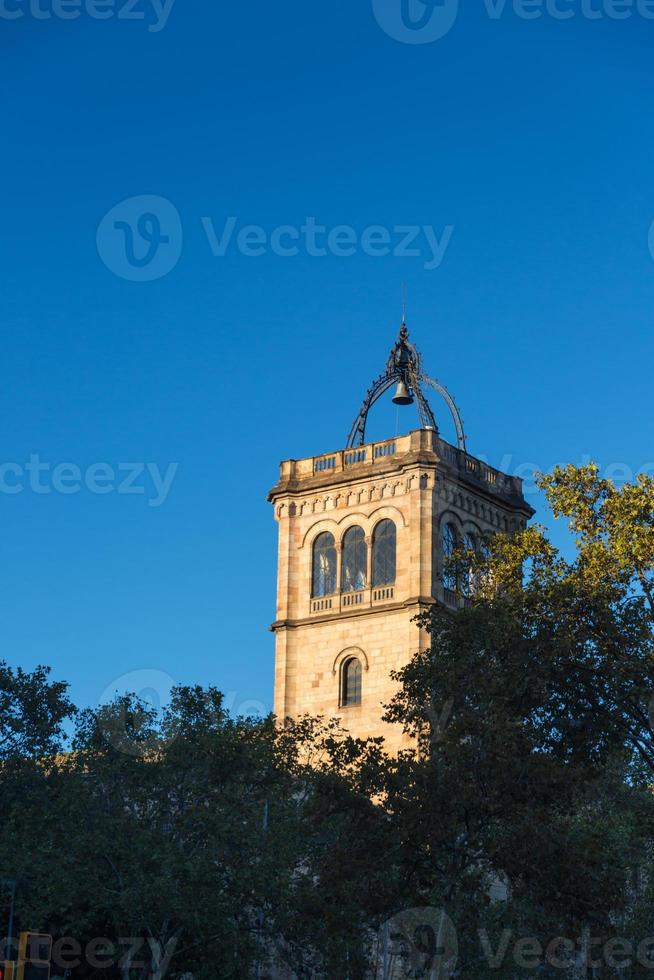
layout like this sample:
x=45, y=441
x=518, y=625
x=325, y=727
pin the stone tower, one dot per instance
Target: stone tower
x=362, y=537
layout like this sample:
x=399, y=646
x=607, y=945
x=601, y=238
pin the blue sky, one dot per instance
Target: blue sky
x=531, y=140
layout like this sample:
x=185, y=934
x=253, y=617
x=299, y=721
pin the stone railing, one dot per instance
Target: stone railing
x=347, y=601
x=474, y=469
x=373, y=454
x=360, y=458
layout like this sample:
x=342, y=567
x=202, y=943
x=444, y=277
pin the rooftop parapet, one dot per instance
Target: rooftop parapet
x=422, y=446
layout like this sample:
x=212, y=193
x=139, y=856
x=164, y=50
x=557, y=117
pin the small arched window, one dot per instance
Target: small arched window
x=449, y=545
x=383, y=553
x=324, y=565
x=355, y=560
x=351, y=682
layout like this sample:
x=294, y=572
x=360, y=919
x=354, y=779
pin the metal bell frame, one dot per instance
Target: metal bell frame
x=404, y=367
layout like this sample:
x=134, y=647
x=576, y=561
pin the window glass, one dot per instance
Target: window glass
x=355, y=560
x=351, y=682
x=449, y=544
x=468, y=576
x=324, y=565
x=384, y=553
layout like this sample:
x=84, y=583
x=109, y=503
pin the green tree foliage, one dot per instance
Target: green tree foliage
x=220, y=843
x=33, y=710
x=33, y=715
x=522, y=805
x=541, y=779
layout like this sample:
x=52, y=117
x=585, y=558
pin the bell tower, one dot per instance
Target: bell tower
x=364, y=534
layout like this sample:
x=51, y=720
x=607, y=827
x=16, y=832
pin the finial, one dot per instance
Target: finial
x=404, y=332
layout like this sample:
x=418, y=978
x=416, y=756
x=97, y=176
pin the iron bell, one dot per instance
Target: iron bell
x=402, y=395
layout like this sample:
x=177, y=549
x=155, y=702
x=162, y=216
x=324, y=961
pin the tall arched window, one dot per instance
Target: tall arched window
x=324, y=565
x=470, y=541
x=383, y=553
x=355, y=560
x=351, y=682
x=449, y=544
x=468, y=574
x=484, y=554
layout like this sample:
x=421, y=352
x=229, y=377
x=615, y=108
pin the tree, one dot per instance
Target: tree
x=33, y=710
x=347, y=877
x=219, y=843
x=615, y=528
x=541, y=777
x=33, y=713
x=174, y=853
x=232, y=846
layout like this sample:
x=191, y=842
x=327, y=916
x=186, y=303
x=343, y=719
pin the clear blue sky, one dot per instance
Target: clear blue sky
x=533, y=139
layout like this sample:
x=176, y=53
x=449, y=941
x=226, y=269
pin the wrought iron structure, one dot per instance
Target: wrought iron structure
x=404, y=367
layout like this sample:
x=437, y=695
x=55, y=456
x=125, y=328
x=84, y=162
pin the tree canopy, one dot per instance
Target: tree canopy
x=521, y=810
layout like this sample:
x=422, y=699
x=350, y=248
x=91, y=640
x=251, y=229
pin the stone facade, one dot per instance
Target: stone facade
x=419, y=482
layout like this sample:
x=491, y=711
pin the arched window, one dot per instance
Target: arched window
x=468, y=574
x=383, y=553
x=355, y=560
x=484, y=553
x=449, y=545
x=324, y=565
x=470, y=541
x=351, y=682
